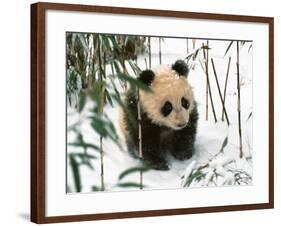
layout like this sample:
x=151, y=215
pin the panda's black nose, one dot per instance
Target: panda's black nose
x=182, y=125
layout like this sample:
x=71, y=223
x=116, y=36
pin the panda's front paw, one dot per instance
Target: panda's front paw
x=162, y=166
x=182, y=155
x=159, y=165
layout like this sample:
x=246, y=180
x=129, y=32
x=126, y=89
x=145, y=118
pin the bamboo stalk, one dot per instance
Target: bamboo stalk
x=93, y=61
x=100, y=59
x=140, y=140
x=101, y=166
x=207, y=73
x=220, y=94
x=193, y=43
x=100, y=111
x=207, y=83
x=145, y=61
x=160, y=54
x=125, y=72
x=225, y=86
x=239, y=102
x=187, y=49
x=208, y=86
x=149, y=52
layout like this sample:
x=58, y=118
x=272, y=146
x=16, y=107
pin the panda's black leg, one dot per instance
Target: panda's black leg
x=153, y=155
x=131, y=147
x=184, y=139
x=183, y=144
x=152, y=158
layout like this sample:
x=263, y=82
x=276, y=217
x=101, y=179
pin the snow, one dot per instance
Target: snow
x=210, y=136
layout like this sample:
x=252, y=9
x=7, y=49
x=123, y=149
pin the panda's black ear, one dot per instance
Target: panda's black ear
x=146, y=77
x=180, y=67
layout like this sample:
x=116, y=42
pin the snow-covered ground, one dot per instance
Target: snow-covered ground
x=210, y=136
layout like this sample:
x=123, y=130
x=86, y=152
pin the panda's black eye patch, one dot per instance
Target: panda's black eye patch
x=184, y=103
x=167, y=108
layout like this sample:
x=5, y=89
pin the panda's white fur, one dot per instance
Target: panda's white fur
x=167, y=85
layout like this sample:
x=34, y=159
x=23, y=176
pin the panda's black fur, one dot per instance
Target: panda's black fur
x=157, y=139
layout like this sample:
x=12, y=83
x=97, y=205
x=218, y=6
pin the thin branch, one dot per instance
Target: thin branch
x=225, y=85
x=160, y=54
x=140, y=140
x=218, y=86
x=101, y=164
x=208, y=85
x=149, y=52
x=145, y=62
x=239, y=102
x=125, y=72
x=207, y=75
x=187, y=49
x=100, y=110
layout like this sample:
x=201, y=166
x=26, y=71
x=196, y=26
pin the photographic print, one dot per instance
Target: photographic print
x=169, y=106
x=147, y=112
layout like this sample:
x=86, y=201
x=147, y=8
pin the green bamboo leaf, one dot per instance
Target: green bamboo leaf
x=134, y=82
x=114, y=87
x=117, y=66
x=104, y=127
x=115, y=43
x=132, y=170
x=108, y=98
x=129, y=185
x=84, y=145
x=99, y=126
x=96, y=188
x=106, y=42
x=76, y=173
x=134, y=67
x=82, y=156
x=82, y=40
x=81, y=143
x=82, y=101
x=85, y=159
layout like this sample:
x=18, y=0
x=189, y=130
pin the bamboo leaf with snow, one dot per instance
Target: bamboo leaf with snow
x=187, y=173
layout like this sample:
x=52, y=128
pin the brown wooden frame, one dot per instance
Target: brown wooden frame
x=38, y=22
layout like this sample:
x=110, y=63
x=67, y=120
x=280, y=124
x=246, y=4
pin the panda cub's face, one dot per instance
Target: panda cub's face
x=176, y=114
x=171, y=100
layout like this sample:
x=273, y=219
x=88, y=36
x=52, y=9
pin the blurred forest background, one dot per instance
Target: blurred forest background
x=101, y=67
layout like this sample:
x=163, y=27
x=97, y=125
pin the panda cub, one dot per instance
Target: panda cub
x=168, y=116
